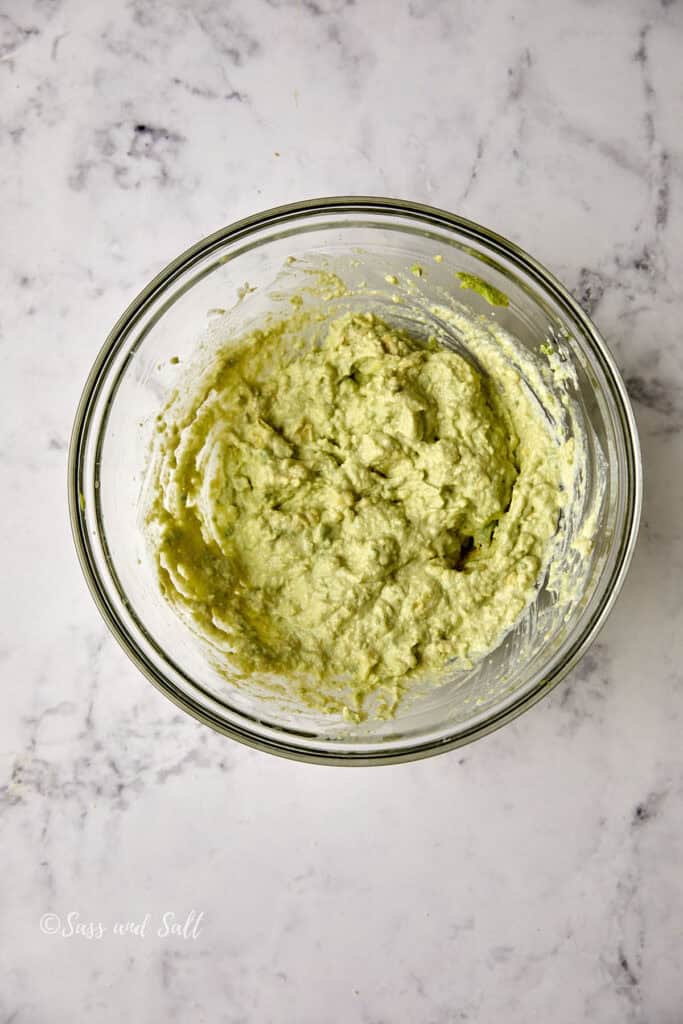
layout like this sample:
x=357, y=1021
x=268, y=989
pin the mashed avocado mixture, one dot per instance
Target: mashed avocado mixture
x=352, y=515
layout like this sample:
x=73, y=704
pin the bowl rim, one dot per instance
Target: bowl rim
x=247, y=226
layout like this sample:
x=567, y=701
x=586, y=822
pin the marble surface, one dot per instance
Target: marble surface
x=534, y=876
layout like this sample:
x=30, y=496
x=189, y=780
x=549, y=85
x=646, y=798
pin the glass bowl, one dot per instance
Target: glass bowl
x=141, y=362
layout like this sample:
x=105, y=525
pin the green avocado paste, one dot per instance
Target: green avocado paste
x=352, y=514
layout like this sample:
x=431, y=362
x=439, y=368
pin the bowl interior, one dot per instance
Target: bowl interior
x=224, y=286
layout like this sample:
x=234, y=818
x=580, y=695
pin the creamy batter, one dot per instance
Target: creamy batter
x=353, y=514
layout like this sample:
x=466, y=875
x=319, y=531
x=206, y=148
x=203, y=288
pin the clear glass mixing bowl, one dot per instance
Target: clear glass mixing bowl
x=136, y=369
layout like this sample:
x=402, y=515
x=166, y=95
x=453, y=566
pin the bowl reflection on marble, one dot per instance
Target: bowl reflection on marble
x=238, y=269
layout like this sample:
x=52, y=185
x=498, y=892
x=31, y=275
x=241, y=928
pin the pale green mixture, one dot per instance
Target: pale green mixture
x=353, y=515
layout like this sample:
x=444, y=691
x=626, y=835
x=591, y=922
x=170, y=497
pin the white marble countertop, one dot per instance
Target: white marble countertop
x=535, y=876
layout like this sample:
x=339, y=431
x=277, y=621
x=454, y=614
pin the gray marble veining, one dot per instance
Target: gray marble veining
x=532, y=877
